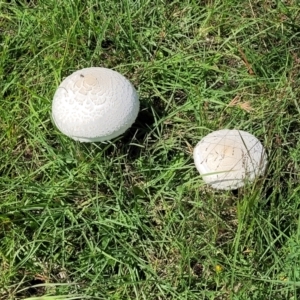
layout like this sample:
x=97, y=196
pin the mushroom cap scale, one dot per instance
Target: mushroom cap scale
x=94, y=104
x=227, y=159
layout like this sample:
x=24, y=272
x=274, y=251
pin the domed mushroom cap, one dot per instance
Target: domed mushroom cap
x=94, y=104
x=227, y=159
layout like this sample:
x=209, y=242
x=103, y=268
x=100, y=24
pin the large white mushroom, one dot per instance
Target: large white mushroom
x=227, y=159
x=94, y=104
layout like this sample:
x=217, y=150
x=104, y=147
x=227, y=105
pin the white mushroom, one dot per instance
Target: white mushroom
x=94, y=104
x=227, y=159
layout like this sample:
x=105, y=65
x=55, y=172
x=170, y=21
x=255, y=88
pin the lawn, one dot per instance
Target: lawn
x=132, y=218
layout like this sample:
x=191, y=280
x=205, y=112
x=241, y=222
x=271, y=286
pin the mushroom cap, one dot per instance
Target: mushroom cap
x=94, y=104
x=227, y=159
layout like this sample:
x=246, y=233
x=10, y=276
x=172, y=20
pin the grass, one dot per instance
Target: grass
x=132, y=219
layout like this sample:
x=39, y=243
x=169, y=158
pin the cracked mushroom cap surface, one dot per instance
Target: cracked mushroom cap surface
x=94, y=105
x=227, y=159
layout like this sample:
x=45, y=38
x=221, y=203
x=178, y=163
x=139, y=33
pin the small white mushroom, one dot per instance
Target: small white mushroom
x=94, y=104
x=227, y=159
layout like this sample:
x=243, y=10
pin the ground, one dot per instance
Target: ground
x=132, y=218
